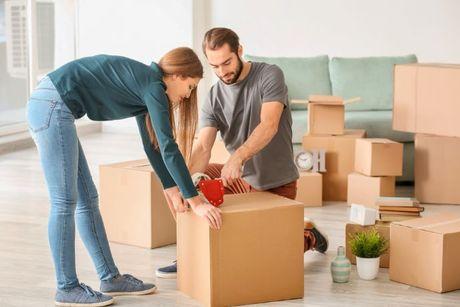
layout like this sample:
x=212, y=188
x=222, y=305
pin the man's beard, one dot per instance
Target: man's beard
x=238, y=71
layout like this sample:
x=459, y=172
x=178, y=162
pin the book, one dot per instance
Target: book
x=395, y=218
x=401, y=208
x=400, y=213
x=397, y=201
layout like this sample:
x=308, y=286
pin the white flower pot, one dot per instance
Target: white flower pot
x=368, y=268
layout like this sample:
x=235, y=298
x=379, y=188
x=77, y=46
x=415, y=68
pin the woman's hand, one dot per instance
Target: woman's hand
x=207, y=211
x=175, y=201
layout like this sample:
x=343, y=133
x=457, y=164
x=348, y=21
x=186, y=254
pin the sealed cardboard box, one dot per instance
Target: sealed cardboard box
x=437, y=169
x=260, y=241
x=426, y=99
x=310, y=189
x=378, y=157
x=340, y=158
x=382, y=228
x=133, y=206
x=424, y=252
x=364, y=190
x=326, y=115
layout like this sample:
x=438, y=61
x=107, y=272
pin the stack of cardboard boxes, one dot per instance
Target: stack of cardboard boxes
x=376, y=163
x=326, y=131
x=426, y=102
x=424, y=251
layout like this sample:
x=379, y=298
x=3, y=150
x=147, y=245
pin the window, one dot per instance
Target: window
x=48, y=28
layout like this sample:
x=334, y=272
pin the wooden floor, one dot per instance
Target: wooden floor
x=27, y=275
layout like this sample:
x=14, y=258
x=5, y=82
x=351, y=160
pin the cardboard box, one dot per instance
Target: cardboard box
x=260, y=241
x=437, y=169
x=340, y=158
x=426, y=99
x=364, y=190
x=133, y=205
x=310, y=189
x=326, y=115
x=382, y=228
x=424, y=252
x=378, y=157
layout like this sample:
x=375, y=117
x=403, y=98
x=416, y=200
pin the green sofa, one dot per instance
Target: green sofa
x=370, y=78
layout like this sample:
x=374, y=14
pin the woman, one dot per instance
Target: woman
x=107, y=87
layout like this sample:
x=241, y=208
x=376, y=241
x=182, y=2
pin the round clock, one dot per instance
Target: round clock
x=304, y=160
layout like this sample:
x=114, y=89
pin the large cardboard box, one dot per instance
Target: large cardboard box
x=340, y=158
x=382, y=228
x=437, y=169
x=257, y=255
x=326, y=115
x=426, y=99
x=133, y=205
x=310, y=189
x=425, y=252
x=364, y=190
x=378, y=157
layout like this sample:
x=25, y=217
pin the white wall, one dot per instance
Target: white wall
x=140, y=29
x=351, y=28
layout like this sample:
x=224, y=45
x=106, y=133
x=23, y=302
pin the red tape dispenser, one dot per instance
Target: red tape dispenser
x=212, y=189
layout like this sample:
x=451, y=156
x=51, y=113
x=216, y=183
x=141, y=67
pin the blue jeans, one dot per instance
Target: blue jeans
x=71, y=189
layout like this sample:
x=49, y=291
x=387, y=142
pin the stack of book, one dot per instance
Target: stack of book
x=393, y=209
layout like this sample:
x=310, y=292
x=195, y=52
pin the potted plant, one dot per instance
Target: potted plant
x=367, y=246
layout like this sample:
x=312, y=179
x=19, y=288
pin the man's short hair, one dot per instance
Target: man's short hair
x=217, y=37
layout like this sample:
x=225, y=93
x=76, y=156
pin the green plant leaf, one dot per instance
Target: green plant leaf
x=368, y=244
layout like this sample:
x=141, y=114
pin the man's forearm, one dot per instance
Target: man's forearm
x=259, y=138
x=199, y=160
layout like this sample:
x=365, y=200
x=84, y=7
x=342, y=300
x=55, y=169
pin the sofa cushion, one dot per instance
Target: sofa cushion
x=303, y=76
x=378, y=124
x=370, y=78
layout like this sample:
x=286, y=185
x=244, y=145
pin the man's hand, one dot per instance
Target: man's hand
x=232, y=170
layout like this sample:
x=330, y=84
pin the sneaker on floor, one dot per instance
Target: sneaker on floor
x=321, y=240
x=82, y=295
x=126, y=285
x=169, y=272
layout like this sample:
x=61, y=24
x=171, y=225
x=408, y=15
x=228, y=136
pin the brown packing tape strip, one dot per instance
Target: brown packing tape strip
x=140, y=165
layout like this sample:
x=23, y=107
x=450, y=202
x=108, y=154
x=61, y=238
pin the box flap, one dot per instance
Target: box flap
x=378, y=141
x=140, y=165
x=442, y=223
x=255, y=201
x=324, y=99
x=348, y=133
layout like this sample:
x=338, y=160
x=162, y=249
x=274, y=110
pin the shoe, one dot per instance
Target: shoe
x=168, y=272
x=126, y=285
x=321, y=242
x=82, y=295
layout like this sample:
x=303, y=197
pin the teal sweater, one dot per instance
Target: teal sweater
x=113, y=87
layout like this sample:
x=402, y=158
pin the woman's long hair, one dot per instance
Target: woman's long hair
x=183, y=62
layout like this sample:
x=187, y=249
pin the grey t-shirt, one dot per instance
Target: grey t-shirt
x=235, y=111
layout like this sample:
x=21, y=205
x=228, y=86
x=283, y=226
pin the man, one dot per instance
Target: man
x=249, y=106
